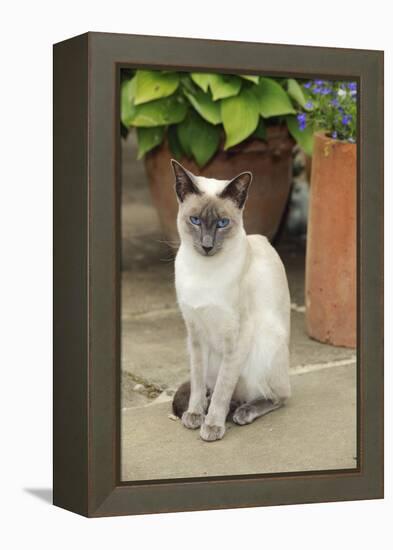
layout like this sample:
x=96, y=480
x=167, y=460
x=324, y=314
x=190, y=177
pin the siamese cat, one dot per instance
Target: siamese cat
x=233, y=293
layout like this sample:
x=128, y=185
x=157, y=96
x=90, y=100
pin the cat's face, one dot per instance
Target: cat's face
x=210, y=211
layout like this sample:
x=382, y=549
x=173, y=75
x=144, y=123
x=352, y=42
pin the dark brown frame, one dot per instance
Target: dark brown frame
x=86, y=275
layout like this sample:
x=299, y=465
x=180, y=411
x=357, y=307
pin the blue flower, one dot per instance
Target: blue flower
x=309, y=105
x=334, y=135
x=335, y=102
x=307, y=85
x=302, y=121
x=352, y=86
x=317, y=90
x=319, y=82
x=346, y=119
x=326, y=91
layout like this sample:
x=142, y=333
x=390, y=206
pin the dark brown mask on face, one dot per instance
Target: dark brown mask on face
x=209, y=220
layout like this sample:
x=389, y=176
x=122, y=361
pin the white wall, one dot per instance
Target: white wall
x=27, y=31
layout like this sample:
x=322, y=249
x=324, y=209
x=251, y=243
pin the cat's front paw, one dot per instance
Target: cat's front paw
x=192, y=421
x=211, y=433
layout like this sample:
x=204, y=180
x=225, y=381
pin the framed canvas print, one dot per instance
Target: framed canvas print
x=218, y=274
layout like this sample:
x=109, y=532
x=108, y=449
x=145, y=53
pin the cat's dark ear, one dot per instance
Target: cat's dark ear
x=237, y=189
x=185, y=182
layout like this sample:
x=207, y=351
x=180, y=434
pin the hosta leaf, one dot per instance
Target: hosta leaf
x=240, y=116
x=198, y=138
x=202, y=80
x=127, y=109
x=296, y=92
x=221, y=85
x=148, y=138
x=260, y=131
x=273, y=100
x=205, y=106
x=224, y=85
x=174, y=143
x=254, y=79
x=152, y=85
x=205, y=143
x=167, y=110
x=185, y=134
x=304, y=138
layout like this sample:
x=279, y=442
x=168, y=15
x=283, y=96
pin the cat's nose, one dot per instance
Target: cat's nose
x=207, y=249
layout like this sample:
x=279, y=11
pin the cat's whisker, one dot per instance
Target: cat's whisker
x=172, y=244
x=168, y=259
x=166, y=241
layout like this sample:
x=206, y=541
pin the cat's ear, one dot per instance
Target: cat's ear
x=185, y=181
x=237, y=189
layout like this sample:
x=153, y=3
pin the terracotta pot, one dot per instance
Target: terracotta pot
x=271, y=165
x=331, y=244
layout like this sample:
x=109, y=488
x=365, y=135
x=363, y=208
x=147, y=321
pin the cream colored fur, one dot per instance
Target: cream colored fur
x=236, y=307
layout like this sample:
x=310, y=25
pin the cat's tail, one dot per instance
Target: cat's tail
x=181, y=399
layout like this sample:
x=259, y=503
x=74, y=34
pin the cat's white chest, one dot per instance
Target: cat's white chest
x=208, y=299
x=200, y=293
x=207, y=302
x=206, y=284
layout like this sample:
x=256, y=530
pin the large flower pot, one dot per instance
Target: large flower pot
x=271, y=165
x=331, y=243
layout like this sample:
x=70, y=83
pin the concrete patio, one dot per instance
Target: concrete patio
x=315, y=431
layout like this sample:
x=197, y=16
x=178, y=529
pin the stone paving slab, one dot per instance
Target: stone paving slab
x=316, y=430
x=155, y=349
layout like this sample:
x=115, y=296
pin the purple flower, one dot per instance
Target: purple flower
x=346, y=119
x=319, y=82
x=352, y=86
x=334, y=135
x=309, y=105
x=302, y=120
x=335, y=102
x=307, y=85
x=326, y=91
x=317, y=90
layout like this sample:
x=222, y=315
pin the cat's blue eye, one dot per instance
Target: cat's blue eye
x=195, y=220
x=223, y=222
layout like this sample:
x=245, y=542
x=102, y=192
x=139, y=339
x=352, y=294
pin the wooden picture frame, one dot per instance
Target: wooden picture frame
x=87, y=268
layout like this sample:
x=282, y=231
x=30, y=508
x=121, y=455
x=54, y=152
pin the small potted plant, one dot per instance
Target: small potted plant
x=217, y=125
x=330, y=111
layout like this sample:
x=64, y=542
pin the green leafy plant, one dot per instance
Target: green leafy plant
x=199, y=112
